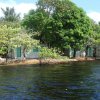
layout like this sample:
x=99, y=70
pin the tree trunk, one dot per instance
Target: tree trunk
x=94, y=52
x=7, y=55
x=86, y=51
x=24, y=56
x=74, y=55
x=6, y=58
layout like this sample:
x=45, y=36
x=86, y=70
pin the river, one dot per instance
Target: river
x=74, y=81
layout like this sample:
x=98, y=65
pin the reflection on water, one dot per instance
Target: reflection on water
x=77, y=81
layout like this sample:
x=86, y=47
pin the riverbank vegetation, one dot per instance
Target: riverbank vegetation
x=55, y=27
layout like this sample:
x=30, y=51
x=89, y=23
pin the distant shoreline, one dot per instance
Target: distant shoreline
x=44, y=61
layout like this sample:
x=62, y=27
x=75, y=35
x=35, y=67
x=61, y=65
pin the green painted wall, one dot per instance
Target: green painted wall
x=90, y=52
x=35, y=49
x=18, y=51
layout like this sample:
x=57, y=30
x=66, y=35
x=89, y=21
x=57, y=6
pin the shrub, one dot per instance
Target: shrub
x=46, y=52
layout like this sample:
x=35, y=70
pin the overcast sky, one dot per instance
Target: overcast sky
x=92, y=7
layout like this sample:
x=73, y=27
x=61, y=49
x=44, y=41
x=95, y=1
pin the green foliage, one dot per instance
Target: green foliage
x=24, y=39
x=60, y=24
x=35, y=22
x=10, y=24
x=37, y=18
x=7, y=35
x=13, y=36
x=10, y=14
x=97, y=33
x=46, y=52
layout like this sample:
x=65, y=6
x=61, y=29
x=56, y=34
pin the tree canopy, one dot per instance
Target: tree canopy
x=10, y=14
x=13, y=36
x=60, y=23
x=56, y=24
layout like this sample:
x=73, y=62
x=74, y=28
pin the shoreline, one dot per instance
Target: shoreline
x=44, y=61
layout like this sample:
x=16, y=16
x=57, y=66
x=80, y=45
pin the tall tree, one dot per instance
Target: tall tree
x=35, y=22
x=12, y=37
x=10, y=14
x=61, y=24
x=7, y=34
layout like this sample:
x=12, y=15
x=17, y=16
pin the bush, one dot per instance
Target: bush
x=48, y=53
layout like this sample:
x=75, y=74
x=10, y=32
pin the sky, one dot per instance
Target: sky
x=21, y=6
x=91, y=7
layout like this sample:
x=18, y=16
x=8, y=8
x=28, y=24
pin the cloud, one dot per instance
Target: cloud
x=21, y=8
x=24, y=8
x=95, y=16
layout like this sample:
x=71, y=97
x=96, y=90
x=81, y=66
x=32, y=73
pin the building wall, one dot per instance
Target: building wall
x=90, y=52
x=98, y=51
x=30, y=54
x=82, y=53
x=33, y=53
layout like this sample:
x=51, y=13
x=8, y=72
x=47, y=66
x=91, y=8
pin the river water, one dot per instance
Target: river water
x=75, y=81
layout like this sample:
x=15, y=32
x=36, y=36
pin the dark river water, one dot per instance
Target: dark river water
x=75, y=81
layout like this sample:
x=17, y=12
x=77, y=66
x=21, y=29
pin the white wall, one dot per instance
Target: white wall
x=32, y=54
x=98, y=51
x=29, y=55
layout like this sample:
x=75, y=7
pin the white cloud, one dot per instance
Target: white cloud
x=95, y=16
x=24, y=8
x=21, y=8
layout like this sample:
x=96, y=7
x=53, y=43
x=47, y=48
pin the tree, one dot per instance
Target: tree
x=24, y=40
x=7, y=34
x=97, y=33
x=12, y=37
x=10, y=14
x=35, y=21
x=60, y=24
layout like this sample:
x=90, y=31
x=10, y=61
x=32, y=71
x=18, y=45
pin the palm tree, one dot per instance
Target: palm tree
x=10, y=14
